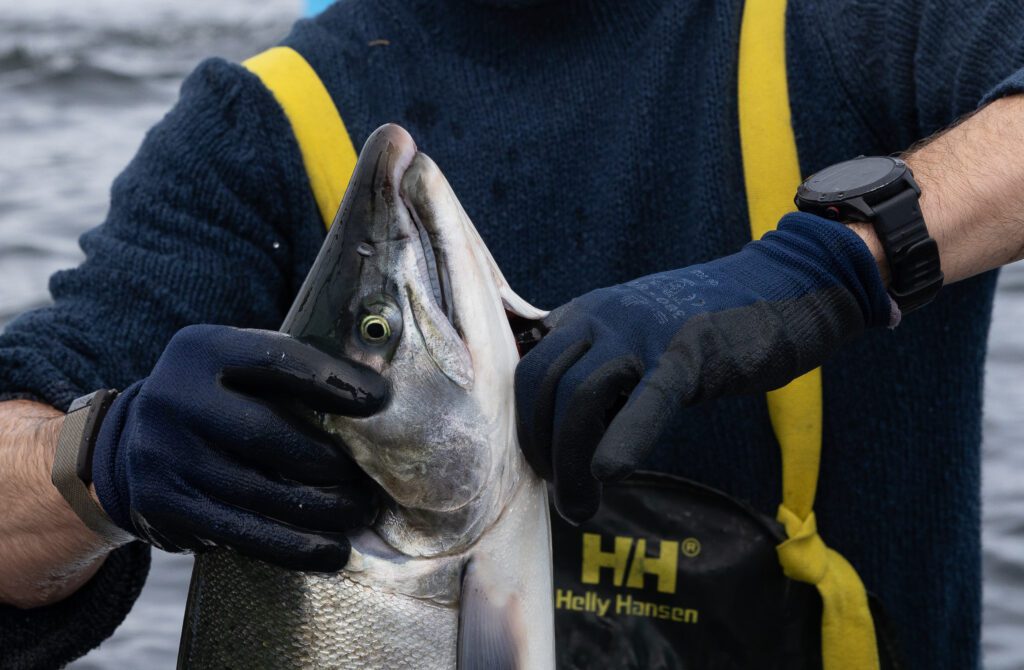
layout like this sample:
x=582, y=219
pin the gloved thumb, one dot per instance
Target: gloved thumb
x=633, y=432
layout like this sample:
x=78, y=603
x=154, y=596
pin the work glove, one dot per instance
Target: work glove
x=594, y=395
x=216, y=449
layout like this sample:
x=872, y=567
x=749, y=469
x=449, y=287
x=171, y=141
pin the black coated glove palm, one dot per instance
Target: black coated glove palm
x=749, y=322
x=210, y=451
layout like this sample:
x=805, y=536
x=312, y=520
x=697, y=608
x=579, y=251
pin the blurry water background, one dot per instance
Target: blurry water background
x=80, y=82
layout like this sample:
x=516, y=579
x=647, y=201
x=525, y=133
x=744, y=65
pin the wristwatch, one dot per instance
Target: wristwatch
x=881, y=190
x=72, y=464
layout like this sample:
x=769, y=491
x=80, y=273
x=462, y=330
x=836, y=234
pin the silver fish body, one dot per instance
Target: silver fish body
x=456, y=570
x=248, y=614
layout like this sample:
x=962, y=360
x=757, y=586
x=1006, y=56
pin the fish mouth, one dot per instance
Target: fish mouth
x=440, y=233
x=434, y=273
x=432, y=268
x=527, y=332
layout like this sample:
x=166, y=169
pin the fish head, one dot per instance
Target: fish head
x=406, y=286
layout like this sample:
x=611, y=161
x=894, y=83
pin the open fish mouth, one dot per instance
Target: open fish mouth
x=433, y=273
x=431, y=265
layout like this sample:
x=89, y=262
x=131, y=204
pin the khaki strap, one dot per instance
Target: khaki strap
x=327, y=150
x=772, y=173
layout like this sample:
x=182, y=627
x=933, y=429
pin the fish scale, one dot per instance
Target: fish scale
x=308, y=621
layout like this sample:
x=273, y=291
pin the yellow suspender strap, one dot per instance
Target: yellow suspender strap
x=772, y=173
x=327, y=150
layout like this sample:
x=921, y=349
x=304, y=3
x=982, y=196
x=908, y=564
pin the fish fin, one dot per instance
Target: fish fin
x=517, y=305
x=490, y=623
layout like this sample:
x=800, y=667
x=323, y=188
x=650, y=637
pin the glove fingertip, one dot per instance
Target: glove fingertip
x=579, y=507
x=576, y=513
x=329, y=556
x=612, y=469
x=621, y=450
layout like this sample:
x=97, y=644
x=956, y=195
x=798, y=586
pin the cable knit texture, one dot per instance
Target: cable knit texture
x=592, y=142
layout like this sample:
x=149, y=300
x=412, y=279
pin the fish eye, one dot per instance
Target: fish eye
x=378, y=325
x=375, y=329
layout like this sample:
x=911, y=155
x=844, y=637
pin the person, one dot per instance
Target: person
x=593, y=142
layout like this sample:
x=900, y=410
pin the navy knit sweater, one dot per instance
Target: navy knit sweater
x=591, y=141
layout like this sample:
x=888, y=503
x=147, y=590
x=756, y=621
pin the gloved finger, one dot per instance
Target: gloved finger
x=276, y=365
x=279, y=441
x=255, y=536
x=267, y=437
x=536, y=383
x=638, y=425
x=587, y=393
x=333, y=509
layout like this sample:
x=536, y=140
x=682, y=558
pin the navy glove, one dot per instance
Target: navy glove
x=215, y=448
x=595, y=394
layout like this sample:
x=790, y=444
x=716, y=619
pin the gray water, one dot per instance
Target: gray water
x=80, y=82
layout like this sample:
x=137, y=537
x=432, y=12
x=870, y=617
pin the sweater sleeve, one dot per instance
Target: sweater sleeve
x=212, y=222
x=913, y=67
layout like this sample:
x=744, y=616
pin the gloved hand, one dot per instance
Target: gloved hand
x=745, y=323
x=210, y=450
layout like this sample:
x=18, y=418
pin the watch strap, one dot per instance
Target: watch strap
x=916, y=275
x=71, y=473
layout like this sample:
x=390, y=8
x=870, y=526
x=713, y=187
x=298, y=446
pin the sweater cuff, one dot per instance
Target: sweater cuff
x=1010, y=86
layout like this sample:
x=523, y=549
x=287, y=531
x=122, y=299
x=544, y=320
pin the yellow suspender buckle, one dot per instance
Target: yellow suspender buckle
x=772, y=173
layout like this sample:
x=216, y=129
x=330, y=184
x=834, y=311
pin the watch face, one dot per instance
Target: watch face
x=852, y=178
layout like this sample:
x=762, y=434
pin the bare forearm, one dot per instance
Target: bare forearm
x=972, y=191
x=48, y=553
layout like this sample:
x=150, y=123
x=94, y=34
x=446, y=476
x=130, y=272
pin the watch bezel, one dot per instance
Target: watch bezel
x=871, y=192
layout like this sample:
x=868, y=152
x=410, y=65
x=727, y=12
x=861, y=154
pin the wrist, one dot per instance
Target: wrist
x=882, y=191
x=941, y=215
x=48, y=552
x=866, y=232
x=49, y=432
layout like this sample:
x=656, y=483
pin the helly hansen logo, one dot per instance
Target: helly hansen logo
x=629, y=560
